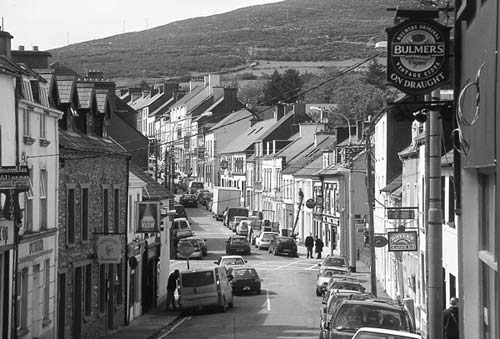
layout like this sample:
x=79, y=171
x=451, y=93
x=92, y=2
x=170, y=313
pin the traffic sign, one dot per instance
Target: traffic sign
x=185, y=248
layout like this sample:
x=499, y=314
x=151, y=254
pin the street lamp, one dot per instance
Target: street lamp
x=314, y=108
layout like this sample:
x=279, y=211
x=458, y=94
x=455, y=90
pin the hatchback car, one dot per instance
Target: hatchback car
x=230, y=260
x=181, y=228
x=202, y=243
x=195, y=242
x=264, y=240
x=283, y=245
x=237, y=244
x=350, y=315
x=324, y=275
x=180, y=211
x=188, y=200
x=244, y=279
x=334, y=260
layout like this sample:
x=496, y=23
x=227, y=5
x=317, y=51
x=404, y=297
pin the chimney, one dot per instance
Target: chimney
x=20, y=48
x=94, y=74
x=33, y=59
x=5, y=40
x=35, y=48
x=279, y=110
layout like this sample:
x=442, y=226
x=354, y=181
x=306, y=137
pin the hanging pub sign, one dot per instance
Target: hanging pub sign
x=15, y=177
x=148, y=217
x=402, y=241
x=418, y=55
x=109, y=249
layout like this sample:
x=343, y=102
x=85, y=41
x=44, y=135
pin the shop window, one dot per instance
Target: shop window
x=46, y=292
x=22, y=301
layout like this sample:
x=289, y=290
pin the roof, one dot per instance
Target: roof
x=65, y=86
x=393, y=185
x=312, y=168
x=303, y=165
x=333, y=170
x=85, y=92
x=62, y=69
x=76, y=141
x=163, y=107
x=153, y=190
x=189, y=96
x=8, y=66
x=232, y=118
x=253, y=133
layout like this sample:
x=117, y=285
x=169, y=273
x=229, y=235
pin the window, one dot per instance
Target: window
x=26, y=123
x=28, y=205
x=116, y=210
x=451, y=202
x=88, y=290
x=22, y=299
x=43, y=198
x=105, y=209
x=46, y=291
x=84, y=206
x=70, y=216
x=102, y=288
x=130, y=214
x=43, y=130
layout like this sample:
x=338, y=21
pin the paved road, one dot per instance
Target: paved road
x=287, y=307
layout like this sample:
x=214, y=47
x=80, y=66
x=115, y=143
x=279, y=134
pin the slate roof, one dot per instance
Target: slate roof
x=313, y=167
x=248, y=137
x=65, y=87
x=188, y=97
x=153, y=190
x=163, y=107
x=10, y=67
x=85, y=92
x=302, y=162
x=393, y=185
x=146, y=101
x=75, y=141
x=101, y=96
x=62, y=69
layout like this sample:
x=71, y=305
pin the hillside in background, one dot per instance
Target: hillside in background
x=292, y=30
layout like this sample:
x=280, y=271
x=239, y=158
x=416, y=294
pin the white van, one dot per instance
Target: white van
x=203, y=287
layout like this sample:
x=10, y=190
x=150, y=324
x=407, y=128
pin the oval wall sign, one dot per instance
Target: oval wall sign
x=310, y=203
x=380, y=241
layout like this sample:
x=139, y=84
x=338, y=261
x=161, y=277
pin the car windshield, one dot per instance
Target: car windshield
x=286, y=240
x=194, y=279
x=345, y=285
x=268, y=236
x=178, y=224
x=244, y=273
x=334, y=262
x=354, y=316
x=232, y=261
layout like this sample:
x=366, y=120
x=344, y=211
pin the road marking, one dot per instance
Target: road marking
x=174, y=327
x=268, y=301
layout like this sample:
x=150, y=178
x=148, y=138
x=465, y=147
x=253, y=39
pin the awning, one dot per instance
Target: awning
x=393, y=185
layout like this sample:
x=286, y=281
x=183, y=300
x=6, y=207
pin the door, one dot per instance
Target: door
x=61, y=305
x=111, y=295
x=77, y=303
x=35, y=300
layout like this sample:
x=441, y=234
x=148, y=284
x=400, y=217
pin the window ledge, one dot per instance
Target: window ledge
x=28, y=140
x=44, y=142
x=46, y=322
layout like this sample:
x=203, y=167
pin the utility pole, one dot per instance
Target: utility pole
x=371, y=224
x=434, y=226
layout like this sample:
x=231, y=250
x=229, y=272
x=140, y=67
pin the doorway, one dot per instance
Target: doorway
x=61, y=305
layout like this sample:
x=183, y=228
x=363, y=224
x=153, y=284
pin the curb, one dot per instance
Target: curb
x=158, y=332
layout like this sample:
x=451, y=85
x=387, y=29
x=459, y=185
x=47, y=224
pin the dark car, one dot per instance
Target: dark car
x=237, y=244
x=350, y=315
x=180, y=212
x=283, y=245
x=188, y=200
x=244, y=279
x=204, y=197
x=195, y=242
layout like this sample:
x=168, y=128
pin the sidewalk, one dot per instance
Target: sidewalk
x=147, y=325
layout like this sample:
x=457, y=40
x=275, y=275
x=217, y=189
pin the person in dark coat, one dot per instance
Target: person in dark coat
x=171, y=287
x=309, y=242
x=318, y=247
x=450, y=320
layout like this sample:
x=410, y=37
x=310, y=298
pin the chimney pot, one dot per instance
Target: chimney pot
x=21, y=48
x=35, y=48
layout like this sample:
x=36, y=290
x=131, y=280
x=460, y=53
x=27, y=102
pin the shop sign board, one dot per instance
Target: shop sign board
x=148, y=217
x=14, y=177
x=402, y=241
x=109, y=249
x=418, y=56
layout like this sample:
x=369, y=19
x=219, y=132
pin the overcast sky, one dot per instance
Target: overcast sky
x=52, y=23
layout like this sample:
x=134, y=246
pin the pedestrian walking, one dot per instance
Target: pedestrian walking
x=171, y=287
x=318, y=247
x=309, y=242
x=450, y=320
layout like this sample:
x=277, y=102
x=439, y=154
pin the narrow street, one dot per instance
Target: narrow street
x=286, y=308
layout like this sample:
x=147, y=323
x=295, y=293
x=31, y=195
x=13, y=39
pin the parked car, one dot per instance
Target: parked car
x=181, y=229
x=235, y=222
x=381, y=333
x=244, y=279
x=195, y=242
x=229, y=260
x=188, y=200
x=204, y=197
x=350, y=315
x=264, y=240
x=324, y=275
x=233, y=212
x=242, y=228
x=283, y=245
x=195, y=185
x=334, y=260
x=204, y=287
x=180, y=211
x=202, y=243
x=237, y=244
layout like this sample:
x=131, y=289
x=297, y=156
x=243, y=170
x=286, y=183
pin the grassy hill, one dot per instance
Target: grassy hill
x=291, y=30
